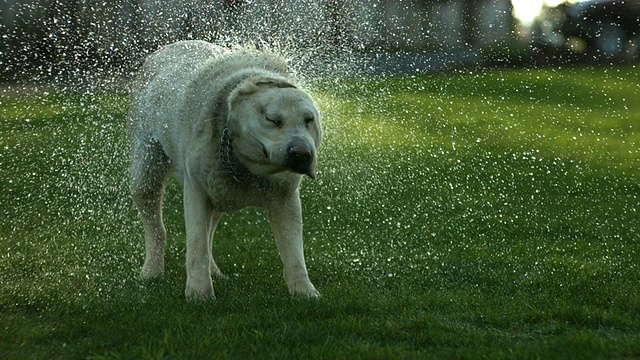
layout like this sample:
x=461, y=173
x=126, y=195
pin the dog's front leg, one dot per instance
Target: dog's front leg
x=197, y=216
x=286, y=223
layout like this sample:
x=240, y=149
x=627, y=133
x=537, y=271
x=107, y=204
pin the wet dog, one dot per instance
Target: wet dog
x=237, y=131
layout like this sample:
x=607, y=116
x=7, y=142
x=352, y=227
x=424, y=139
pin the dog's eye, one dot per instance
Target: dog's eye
x=274, y=121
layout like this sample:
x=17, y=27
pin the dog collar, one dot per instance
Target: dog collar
x=229, y=162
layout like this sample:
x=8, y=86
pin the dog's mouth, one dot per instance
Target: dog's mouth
x=310, y=171
x=299, y=159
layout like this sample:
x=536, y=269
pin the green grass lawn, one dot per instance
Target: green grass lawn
x=454, y=216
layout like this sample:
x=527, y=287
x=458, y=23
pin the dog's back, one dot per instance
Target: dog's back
x=158, y=95
x=177, y=84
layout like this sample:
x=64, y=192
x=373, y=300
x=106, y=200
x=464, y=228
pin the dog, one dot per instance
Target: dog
x=236, y=131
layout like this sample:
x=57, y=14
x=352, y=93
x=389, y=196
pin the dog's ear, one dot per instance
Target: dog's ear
x=252, y=85
x=271, y=83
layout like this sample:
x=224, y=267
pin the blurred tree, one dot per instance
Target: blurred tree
x=470, y=22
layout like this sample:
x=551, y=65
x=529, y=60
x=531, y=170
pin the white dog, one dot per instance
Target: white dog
x=237, y=132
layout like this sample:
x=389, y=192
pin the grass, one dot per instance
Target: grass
x=471, y=215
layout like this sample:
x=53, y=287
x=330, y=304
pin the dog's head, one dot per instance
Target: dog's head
x=275, y=127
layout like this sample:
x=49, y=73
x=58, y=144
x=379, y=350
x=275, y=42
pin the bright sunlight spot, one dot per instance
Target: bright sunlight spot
x=527, y=10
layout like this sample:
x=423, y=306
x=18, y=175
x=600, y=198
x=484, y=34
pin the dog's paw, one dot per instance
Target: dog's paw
x=303, y=289
x=152, y=269
x=215, y=272
x=151, y=273
x=202, y=290
x=202, y=294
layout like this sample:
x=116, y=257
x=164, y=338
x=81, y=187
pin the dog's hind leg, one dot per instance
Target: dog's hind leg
x=148, y=173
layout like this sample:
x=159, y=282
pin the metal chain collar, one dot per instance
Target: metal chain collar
x=229, y=162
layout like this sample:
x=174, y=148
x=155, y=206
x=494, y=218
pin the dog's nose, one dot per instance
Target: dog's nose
x=299, y=152
x=300, y=160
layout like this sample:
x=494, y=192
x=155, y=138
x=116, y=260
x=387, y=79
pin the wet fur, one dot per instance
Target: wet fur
x=186, y=94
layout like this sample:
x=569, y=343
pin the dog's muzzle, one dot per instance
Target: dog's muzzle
x=301, y=159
